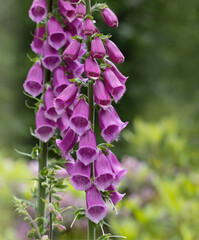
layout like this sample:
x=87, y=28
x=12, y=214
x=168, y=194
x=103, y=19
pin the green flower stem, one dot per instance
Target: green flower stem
x=91, y=227
x=43, y=158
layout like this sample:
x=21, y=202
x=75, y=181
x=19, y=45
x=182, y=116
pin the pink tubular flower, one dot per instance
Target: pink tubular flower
x=113, y=85
x=38, y=10
x=66, y=9
x=87, y=152
x=51, y=58
x=114, y=52
x=117, y=73
x=91, y=68
x=96, y=209
x=110, y=124
x=79, y=120
x=63, y=124
x=70, y=163
x=34, y=81
x=72, y=51
x=103, y=172
x=56, y=35
x=60, y=80
x=88, y=27
x=80, y=10
x=97, y=48
x=50, y=112
x=116, y=168
x=115, y=196
x=37, y=42
x=102, y=98
x=68, y=142
x=65, y=98
x=80, y=176
x=109, y=17
x=45, y=128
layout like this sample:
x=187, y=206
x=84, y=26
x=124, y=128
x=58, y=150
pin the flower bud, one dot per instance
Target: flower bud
x=38, y=10
x=80, y=10
x=51, y=207
x=109, y=17
x=67, y=10
x=115, y=196
x=88, y=27
x=97, y=48
x=61, y=228
x=45, y=237
x=59, y=217
x=114, y=52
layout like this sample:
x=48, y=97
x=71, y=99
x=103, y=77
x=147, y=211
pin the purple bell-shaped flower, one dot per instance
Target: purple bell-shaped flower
x=65, y=98
x=80, y=176
x=80, y=10
x=45, y=128
x=91, y=68
x=38, y=10
x=104, y=175
x=97, y=48
x=60, y=80
x=116, y=168
x=56, y=35
x=96, y=209
x=68, y=142
x=38, y=41
x=72, y=51
x=63, y=124
x=79, y=120
x=113, y=85
x=50, y=112
x=114, y=52
x=51, y=56
x=87, y=152
x=115, y=196
x=102, y=98
x=110, y=124
x=67, y=10
x=88, y=27
x=34, y=81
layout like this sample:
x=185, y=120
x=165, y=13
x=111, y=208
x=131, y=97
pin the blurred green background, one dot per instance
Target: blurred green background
x=160, y=147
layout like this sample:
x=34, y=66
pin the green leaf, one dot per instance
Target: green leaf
x=23, y=153
x=36, y=152
x=104, y=237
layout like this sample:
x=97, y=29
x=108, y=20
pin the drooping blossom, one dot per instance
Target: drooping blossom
x=34, y=81
x=104, y=175
x=38, y=40
x=113, y=85
x=113, y=51
x=102, y=97
x=72, y=51
x=50, y=112
x=67, y=10
x=38, y=10
x=79, y=120
x=97, y=48
x=80, y=10
x=63, y=124
x=65, y=98
x=96, y=209
x=56, y=35
x=109, y=17
x=110, y=124
x=60, y=80
x=80, y=176
x=115, y=196
x=68, y=142
x=91, y=68
x=45, y=128
x=116, y=168
x=51, y=58
x=87, y=152
x=88, y=27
